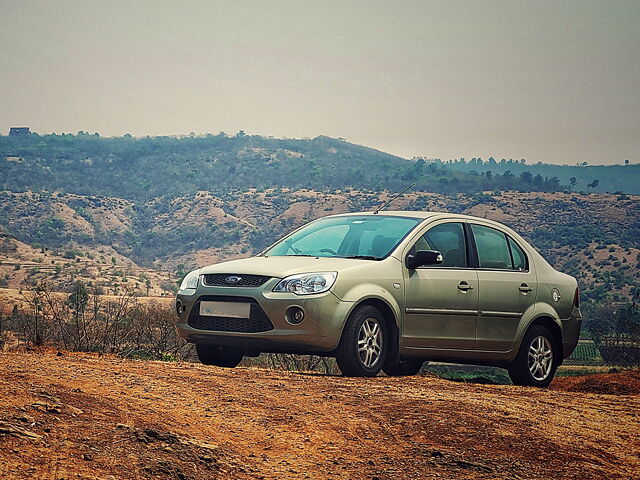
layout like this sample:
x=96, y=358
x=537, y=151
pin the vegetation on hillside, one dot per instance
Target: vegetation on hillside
x=593, y=237
x=149, y=167
x=579, y=177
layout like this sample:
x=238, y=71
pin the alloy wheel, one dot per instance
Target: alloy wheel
x=370, y=340
x=540, y=358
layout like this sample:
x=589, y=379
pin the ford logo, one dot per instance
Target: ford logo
x=232, y=279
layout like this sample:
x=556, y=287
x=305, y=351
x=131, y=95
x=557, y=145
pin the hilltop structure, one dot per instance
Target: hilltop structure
x=16, y=131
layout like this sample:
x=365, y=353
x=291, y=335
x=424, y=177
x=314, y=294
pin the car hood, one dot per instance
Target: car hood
x=284, y=266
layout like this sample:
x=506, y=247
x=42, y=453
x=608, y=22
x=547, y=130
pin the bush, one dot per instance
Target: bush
x=86, y=321
x=616, y=332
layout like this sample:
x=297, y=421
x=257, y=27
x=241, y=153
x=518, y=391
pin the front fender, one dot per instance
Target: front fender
x=369, y=291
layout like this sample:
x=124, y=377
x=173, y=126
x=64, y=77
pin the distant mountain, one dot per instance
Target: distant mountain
x=585, y=178
x=145, y=168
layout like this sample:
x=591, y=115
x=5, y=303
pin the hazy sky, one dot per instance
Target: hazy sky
x=554, y=81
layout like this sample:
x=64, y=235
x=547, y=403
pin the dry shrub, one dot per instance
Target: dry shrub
x=89, y=322
x=292, y=362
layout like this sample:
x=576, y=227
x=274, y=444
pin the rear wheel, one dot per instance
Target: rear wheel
x=405, y=367
x=362, y=350
x=218, y=355
x=537, y=359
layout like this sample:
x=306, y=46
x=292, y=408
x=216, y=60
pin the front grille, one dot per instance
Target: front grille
x=231, y=280
x=257, y=321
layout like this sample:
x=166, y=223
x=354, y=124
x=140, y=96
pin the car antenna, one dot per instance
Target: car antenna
x=389, y=201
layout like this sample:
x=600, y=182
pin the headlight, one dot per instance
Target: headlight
x=307, y=283
x=190, y=281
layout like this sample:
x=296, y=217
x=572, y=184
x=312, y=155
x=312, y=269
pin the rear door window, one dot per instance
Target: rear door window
x=493, y=251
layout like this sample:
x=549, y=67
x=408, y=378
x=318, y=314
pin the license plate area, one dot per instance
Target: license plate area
x=225, y=309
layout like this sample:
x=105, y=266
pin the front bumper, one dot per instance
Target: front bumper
x=320, y=330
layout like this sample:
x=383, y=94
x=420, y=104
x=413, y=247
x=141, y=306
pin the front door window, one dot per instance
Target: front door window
x=449, y=240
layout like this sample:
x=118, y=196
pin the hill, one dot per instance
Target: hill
x=86, y=416
x=151, y=167
x=108, y=271
x=144, y=168
x=595, y=237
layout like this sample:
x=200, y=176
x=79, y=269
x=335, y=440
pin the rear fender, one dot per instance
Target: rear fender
x=534, y=312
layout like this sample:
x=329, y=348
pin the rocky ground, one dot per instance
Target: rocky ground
x=66, y=416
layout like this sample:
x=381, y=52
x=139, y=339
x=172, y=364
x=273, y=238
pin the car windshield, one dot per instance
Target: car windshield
x=367, y=236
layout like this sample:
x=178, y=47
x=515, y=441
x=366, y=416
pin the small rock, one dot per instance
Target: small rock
x=74, y=410
x=473, y=465
x=47, y=407
x=16, y=431
x=26, y=419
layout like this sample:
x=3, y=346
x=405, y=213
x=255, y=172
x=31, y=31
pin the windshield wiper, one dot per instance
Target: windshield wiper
x=363, y=257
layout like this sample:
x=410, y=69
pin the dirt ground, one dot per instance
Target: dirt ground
x=74, y=416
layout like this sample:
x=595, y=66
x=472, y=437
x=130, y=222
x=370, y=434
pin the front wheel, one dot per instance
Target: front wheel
x=218, y=355
x=537, y=359
x=362, y=350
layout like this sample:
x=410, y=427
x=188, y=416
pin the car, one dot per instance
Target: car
x=388, y=291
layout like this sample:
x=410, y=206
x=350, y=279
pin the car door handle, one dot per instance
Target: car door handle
x=464, y=286
x=524, y=288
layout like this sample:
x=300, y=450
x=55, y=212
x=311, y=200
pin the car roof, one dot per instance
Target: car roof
x=422, y=215
x=412, y=214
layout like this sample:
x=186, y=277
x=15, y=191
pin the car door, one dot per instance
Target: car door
x=441, y=301
x=507, y=287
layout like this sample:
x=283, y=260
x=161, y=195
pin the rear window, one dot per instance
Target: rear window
x=519, y=258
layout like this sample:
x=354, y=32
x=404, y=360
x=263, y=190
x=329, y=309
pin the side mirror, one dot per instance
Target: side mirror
x=423, y=257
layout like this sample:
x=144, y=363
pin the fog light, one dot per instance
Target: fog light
x=294, y=315
x=179, y=308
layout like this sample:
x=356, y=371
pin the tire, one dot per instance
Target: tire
x=219, y=356
x=537, y=359
x=406, y=367
x=363, y=346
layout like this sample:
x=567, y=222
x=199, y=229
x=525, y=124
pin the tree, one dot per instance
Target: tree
x=79, y=297
x=573, y=181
